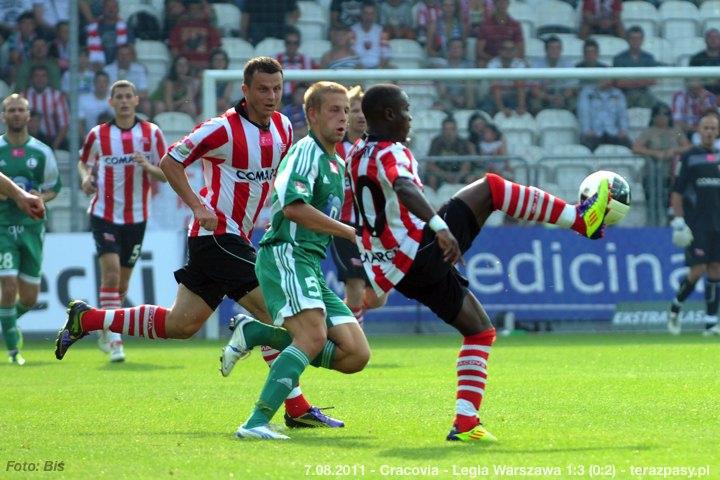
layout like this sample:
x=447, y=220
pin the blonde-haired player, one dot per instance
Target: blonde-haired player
x=318, y=327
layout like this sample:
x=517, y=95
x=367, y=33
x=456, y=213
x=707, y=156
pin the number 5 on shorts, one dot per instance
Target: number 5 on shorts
x=313, y=289
x=135, y=254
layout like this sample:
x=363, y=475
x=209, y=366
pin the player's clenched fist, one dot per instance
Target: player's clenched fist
x=449, y=246
x=32, y=205
x=207, y=219
x=88, y=185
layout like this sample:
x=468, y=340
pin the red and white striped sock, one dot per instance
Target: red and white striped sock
x=532, y=204
x=143, y=321
x=110, y=298
x=295, y=404
x=472, y=377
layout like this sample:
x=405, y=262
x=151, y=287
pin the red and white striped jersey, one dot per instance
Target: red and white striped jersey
x=390, y=233
x=53, y=107
x=123, y=186
x=239, y=160
x=347, y=211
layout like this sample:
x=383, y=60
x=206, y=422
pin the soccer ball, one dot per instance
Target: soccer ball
x=619, y=204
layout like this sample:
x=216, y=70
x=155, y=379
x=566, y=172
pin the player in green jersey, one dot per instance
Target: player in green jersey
x=318, y=327
x=31, y=165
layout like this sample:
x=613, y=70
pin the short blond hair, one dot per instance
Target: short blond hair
x=315, y=94
x=122, y=84
x=355, y=93
x=15, y=96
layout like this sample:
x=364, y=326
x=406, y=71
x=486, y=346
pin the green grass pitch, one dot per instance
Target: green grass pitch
x=580, y=405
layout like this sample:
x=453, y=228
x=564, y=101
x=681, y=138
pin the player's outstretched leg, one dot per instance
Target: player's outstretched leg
x=478, y=337
x=533, y=204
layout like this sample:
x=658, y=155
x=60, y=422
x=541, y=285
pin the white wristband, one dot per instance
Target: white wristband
x=436, y=223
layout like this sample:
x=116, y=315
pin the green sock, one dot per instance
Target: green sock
x=22, y=309
x=326, y=356
x=258, y=333
x=284, y=376
x=8, y=317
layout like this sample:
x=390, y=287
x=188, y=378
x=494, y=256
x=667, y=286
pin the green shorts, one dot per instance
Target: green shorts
x=292, y=281
x=21, y=251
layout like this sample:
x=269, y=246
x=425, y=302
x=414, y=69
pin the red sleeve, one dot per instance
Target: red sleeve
x=88, y=146
x=160, y=147
x=206, y=137
x=396, y=164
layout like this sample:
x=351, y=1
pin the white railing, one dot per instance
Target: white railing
x=210, y=77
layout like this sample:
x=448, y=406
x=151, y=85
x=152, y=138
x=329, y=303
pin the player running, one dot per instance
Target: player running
x=117, y=162
x=696, y=226
x=408, y=246
x=240, y=151
x=321, y=329
x=359, y=296
x=27, y=165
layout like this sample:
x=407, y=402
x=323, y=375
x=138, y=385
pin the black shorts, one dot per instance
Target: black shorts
x=347, y=260
x=125, y=240
x=705, y=248
x=218, y=266
x=431, y=280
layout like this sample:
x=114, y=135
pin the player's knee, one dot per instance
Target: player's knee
x=358, y=361
x=311, y=343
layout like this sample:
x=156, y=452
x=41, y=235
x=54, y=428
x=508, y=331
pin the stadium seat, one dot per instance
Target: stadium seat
x=609, y=47
x=239, y=51
x=311, y=31
x=639, y=121
x=640, y=13
x=525, y=14
x=679, y=19
x=517, y=129
x=228, y=18
x=422, y=94
x=4, y=89
x=637, y=215
x=154, y=55
x=435, y=200
x=557, y=127
x=315, y=49
x=660, y=48
x=572, y=47
x=534, y=49
x=174, y=125
x=420, y=142
x=555, y=16
x=428, y=121
x=313, y=20
x=576, y=151
x=529, y=153
x=710, y=14
x=612, y=150
x=62, y=157
x=155, y=74
x=406, y=53
x=666, y=87
x=684, y=48
x=462, y=117
x=270, y=46
x=129, y=7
